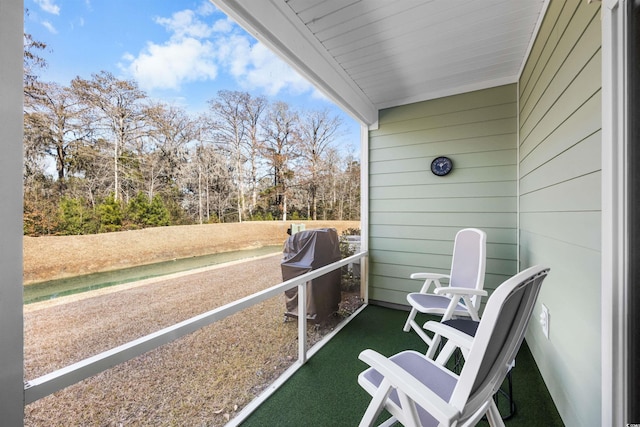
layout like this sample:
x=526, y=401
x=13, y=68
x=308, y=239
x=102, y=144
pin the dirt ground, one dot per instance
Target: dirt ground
x=202, y=379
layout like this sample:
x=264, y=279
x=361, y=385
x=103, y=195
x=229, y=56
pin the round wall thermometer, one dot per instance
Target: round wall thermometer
x=441, y=166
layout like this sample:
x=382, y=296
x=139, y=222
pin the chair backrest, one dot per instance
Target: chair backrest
x=469, y=259
x=497, y=340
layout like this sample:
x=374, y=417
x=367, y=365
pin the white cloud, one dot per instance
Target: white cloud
x=199, y=51
x=187, y=56
x=49, y=26
x=206, y=8
x=48, y=6
x=263, y=69
x=169, y=65
x=254, y=67
x=223, y=25
x=185, y=24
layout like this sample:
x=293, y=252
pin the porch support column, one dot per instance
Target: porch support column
x=11, y=326
x=364, y=210
x=615, y=222
x=632, y=300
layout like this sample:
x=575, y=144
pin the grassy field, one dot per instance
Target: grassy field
x=55, y=257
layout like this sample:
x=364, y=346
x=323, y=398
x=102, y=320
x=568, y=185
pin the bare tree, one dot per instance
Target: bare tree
x=351, y=190
x=100, y=140
x=32, y=62
x=90, y=164
x=33, y=146
x=254, y=109
x=117, y=104
x=328, y=183
x=230, y=120
x=53, y=126
x=206, y=185
x=344, y=196
x=318, y=130
x=163, y=147
x=280, y=150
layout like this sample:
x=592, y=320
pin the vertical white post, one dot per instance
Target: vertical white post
x=364, y=211
x=11, y=326
x=614, y=228
x=302, y=323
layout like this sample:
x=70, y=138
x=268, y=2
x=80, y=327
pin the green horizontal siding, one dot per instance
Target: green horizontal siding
x=422, y=110
x=560, y=201
x=469, y=145
x=454, y=221
x=446, y=204
x=435, y=192
x=443, y=122
x=445, y=134
x=426, y=232
x=414, y=215
x=488, y=159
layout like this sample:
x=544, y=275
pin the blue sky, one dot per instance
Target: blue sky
x=182, y=52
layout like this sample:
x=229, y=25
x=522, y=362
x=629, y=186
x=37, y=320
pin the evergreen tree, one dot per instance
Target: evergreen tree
x=110, y=214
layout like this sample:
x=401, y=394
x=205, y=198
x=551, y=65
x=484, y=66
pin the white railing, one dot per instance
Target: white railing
x=69, y=375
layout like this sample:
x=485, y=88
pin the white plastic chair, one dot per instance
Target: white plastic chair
x=418, y=391
x=462, y=333
x=463, y=295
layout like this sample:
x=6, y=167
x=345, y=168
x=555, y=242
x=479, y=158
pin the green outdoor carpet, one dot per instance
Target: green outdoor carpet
x=325, y=392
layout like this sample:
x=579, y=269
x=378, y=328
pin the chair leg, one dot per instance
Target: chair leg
x=444, y=355
x=376, y=405
x=493, y=416
x=512, y=404
x=435, y=342
x=390, y=422
x=412, y=324
x=421, y=333
x=508, y=396
x=412, y=315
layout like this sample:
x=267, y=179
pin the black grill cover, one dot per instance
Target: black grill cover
x=306, y=251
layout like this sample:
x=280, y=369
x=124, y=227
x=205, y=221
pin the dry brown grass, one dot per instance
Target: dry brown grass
x=54, y=257
x=199, y=380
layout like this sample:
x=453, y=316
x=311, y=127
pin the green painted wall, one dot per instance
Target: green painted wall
x=559, y=158
x=414, y=215
x=527, y=166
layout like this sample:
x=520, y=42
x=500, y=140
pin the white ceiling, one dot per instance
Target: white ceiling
x=372, y=54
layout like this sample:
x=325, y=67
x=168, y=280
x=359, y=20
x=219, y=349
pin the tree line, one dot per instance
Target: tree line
x=100, y=155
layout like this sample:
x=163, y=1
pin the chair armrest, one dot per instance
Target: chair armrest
x=429, y=278
x=459, y=291
x=456, y=336
x=405, y=382
x=434, y=276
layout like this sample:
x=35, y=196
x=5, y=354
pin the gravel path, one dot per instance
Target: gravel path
x=201, y=379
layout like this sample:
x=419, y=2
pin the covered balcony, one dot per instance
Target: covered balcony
x=325, y=391
x=528, y=98
x=319, y=387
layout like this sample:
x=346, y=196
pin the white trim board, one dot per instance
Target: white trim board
x=614, y=229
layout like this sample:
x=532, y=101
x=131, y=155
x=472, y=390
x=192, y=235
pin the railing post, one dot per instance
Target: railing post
x=302, y=323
